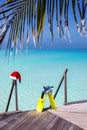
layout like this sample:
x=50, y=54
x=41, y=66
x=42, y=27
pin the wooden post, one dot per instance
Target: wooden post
x=64, y=76
x=14, y=76
x=65, y=88
x=16, y=96
x=9, y=97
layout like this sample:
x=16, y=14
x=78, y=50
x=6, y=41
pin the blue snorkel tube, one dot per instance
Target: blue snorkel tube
x=46, y=90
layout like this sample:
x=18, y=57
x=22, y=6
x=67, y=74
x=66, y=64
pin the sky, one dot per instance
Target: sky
x=77, y=41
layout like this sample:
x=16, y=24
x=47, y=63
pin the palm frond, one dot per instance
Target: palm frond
x=18, y=15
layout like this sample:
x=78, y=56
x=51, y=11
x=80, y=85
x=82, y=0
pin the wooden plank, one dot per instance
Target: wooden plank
x=38, y=120
x=10, y=120
x=5, y=116
x=76, y=102
x=51, y=124
x=9, y=113
x=47, y=120
x=21, y=125
x=43, y=122
x=2, y=124
x=73, y=127
x=8, y=124
x=32, y=124
x=6, y=120
x=59, y=125
x=67, y=126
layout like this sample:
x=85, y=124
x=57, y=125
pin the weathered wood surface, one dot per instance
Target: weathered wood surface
x=32, y=120
x=75, y=113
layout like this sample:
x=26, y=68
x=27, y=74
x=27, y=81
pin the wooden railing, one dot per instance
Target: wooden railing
x=14, y=86
x=64, y=78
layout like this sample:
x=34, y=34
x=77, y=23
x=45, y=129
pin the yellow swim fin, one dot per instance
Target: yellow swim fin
x=52, y=101
x=40, y=104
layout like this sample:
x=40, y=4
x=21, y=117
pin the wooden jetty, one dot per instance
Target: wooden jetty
x=32, y=120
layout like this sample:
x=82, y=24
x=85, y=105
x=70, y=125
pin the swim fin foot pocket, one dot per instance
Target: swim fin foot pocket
x=52, y=101
x=40, y=105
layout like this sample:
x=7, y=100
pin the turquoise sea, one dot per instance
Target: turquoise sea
x=39, y=68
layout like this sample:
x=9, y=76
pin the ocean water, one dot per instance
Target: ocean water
x=40, y=68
